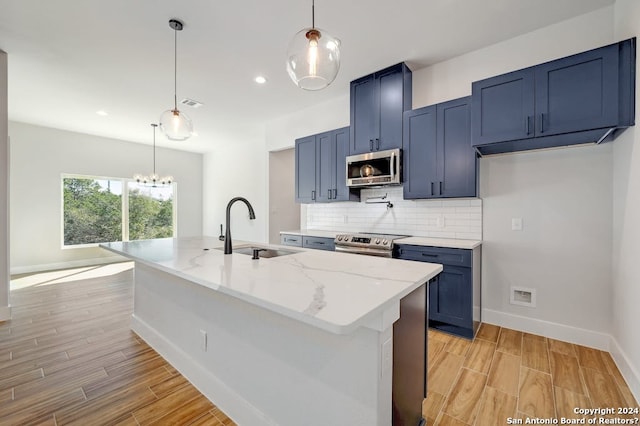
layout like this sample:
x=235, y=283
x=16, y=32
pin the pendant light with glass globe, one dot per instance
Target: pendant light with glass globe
x=175, y=124
x=313, y=57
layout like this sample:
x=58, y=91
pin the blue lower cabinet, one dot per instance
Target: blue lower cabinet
x=291, y=240
x=319, y=243
x=454, y=295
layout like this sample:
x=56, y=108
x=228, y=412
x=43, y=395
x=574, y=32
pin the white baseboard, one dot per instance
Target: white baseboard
x=232, y=404
x=629, y=372
x=5, y=313
x=66, y=265
x=567, y=333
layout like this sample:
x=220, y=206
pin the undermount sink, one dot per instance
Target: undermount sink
x=263, y=252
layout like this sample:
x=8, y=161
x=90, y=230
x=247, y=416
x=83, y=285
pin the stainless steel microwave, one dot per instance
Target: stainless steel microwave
x=374, y=169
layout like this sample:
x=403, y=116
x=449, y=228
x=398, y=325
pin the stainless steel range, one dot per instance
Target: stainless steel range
x=369, y=244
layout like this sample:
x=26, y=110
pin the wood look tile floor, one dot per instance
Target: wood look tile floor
x=68, y=357
x=505, y=373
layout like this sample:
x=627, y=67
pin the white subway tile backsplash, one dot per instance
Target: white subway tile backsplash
x=462, y=217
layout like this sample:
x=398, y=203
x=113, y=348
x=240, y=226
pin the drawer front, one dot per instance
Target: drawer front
x=319, y=243
x=291, y=240
x=444, y=256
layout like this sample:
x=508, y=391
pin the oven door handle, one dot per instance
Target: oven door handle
x=364, y=250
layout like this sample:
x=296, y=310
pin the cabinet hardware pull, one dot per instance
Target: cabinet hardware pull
x=335, y=194
x=329, y=193
x=377, y=144
x=431, y=188
x=370, y=144
x=429, y=255
x=393, y=165
x=542, y=122
x=313, y=195
x=440, y=188
x=528, y=124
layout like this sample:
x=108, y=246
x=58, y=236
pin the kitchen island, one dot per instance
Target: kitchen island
x=303, y=338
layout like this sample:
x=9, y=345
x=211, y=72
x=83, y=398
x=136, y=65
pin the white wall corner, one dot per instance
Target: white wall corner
x=626, y=367
x=567, y=333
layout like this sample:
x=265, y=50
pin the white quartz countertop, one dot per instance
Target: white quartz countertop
x=337, y=292
x=439, y=242
x=312, y=233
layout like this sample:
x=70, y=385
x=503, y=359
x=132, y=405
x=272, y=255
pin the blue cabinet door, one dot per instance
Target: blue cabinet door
x=577, y=93
x=325, y=172
x=305, y=184
x=364, y=113
x=420, y=159
x=450, y=297
x=457, y=159
x=503, y=107
x=341, y=143
x=391, y=100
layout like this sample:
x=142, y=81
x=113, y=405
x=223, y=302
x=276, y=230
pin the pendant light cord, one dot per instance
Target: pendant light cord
x=175, y=69
x=154, y=149
x=313, y=13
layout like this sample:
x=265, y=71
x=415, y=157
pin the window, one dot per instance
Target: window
x=150, y=212
x=98, y=210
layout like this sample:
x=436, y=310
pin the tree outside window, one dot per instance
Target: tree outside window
x=98, y=210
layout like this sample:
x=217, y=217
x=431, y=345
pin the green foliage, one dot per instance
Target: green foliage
x=93, y=214
x=149, y=217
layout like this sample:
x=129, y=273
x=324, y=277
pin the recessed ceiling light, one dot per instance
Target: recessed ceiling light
x=260, y=80
x=102, y=113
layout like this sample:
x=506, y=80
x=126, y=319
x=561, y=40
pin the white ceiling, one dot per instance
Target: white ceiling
x=71, y=58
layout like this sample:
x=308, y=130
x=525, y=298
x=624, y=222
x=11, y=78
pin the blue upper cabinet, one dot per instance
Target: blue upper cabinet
x=588, y=97
x=305, y=184
x=420, y=154
x=438, y=159
x=503, y=107
x=321, y=168
x=377, y=104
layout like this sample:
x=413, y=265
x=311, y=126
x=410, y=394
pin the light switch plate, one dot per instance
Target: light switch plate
x=516, y=224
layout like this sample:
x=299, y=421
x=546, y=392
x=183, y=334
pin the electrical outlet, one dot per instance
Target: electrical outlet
x=203, y=340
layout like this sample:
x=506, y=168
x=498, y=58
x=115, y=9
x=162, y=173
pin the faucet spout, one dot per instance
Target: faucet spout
x=228, y=249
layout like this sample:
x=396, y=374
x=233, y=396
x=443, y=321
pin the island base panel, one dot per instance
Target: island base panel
x=259, y=367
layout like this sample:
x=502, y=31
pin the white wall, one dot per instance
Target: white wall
x=626, y=228
x=237, y=169
x=563, y=252
x=4, y=192
x=39, y=156
x=284, y=213
x=282, y=132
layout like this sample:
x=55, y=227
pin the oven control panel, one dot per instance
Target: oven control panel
x=362, y=241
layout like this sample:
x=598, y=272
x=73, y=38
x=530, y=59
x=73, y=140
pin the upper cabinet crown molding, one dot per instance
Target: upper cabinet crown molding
x=377, y=103
x=587, y=97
